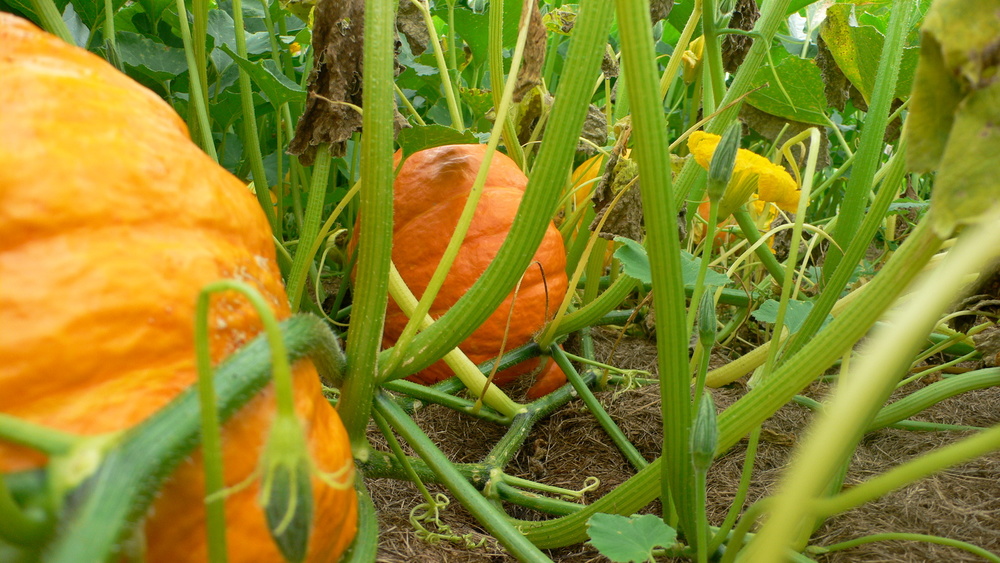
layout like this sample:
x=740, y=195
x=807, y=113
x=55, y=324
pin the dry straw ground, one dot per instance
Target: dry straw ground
x=962, y=502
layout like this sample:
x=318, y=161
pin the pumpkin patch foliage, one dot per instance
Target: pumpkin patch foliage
x=400, y=280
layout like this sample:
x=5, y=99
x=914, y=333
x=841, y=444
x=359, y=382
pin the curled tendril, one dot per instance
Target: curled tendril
x=630, y=381
x=431, y=512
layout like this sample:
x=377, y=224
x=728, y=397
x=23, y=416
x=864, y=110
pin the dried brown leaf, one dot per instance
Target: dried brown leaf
x=410, y=23
x=338, y=40
x=530, y=73
x=735, y=47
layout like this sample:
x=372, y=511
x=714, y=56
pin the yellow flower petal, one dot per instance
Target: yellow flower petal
x=775, y=184
x=702, y=146
x=772, y=182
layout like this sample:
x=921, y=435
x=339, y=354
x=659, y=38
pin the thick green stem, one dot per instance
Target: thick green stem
x=611, y=298
x=823, y=305
x=859, y=185
x=371, y=287
x=713, y=54
x=858, y=398
x=365, y=546
x=652, y=152
x=497, y=81
x=753, y=408
x=51, y=20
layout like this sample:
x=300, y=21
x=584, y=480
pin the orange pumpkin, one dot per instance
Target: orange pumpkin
x=111, y=221
x=430, y=192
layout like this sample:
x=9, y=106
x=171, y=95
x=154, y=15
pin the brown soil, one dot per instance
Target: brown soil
x=962, y=502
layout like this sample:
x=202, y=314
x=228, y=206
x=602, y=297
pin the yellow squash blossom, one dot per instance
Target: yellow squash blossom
x=753, y=175
x=766, y=185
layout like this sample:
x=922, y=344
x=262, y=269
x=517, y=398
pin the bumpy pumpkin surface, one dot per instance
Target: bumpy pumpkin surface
x=430, y=192
x=111, y=221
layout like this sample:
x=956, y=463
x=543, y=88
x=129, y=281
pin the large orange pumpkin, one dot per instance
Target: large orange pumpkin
x=111, y=221
x=430, y=192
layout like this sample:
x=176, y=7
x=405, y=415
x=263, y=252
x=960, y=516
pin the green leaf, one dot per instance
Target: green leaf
x=274, y=86
x=634, y=260
x=428, y=136
x=635, y=263
x=154, y=8
x=792, y=89
x=795, y=313
x=160, y=62
x=479, y=102
x=474, y=28
x=965, y=190
x=689, y=270
x=623, y=539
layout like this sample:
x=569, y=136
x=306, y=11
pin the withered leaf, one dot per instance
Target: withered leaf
x=660, y=9
x=537, y=104
x=530, y=73
x=735, y=47
x=338, y=40
x=609, y=65
x=410, y=23
x=621, y=173
x=836, y=86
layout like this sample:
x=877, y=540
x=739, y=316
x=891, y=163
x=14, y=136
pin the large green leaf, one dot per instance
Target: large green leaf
x=955, y=110
x=792, y=89
x=856, y=50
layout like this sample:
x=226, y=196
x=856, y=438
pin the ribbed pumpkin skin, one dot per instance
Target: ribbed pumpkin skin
x=111, y=222
x=430, y=192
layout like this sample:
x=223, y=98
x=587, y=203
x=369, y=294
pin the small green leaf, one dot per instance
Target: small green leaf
x=635, y=262
x=419, y=138
x=623, y=539
x=274, y=86
x=689, y=270
x=795, y=313
x=474, y=29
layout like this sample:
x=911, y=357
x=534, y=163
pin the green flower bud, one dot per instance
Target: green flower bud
x=720, y=170
x=286, y=491
x=706, y=319
x=704, y=434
